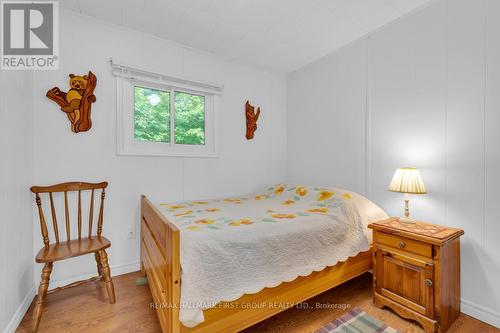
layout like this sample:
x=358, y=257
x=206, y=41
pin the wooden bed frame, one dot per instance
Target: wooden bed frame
x=160, y=261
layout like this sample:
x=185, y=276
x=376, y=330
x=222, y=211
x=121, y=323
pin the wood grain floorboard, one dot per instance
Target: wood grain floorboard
x=86, y=309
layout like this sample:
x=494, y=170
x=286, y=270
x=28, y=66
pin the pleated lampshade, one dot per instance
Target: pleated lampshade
x=407, y=180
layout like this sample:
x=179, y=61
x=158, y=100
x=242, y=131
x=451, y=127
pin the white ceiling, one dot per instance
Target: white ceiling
x=280, y=35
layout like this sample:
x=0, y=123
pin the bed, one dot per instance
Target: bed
x=247, y=258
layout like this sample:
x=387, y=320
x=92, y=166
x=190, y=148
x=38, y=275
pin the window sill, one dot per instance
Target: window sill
x=143, y=153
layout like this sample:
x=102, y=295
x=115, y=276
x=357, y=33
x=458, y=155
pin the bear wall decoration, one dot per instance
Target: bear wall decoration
x=77, y=102
x=252, y=118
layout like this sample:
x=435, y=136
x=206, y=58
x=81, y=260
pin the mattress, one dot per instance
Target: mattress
x=240, y=245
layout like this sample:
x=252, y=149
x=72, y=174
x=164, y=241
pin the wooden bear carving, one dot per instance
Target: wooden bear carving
x=76, y=103
x=252, y=118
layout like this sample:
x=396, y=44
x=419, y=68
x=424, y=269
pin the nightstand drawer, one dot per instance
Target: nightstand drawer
x=405, y=244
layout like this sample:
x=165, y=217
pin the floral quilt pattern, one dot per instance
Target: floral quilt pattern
x=278, y=204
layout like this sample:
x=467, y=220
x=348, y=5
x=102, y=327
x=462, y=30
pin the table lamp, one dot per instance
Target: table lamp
x=407, y=181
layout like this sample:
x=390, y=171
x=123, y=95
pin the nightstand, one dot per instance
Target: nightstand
x=416, y=271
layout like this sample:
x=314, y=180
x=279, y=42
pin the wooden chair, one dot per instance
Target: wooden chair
x=70, y=248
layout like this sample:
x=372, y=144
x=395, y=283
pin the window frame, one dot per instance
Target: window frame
x=128, y=146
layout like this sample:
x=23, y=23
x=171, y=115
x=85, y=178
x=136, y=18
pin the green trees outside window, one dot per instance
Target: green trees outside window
x=189, y=120
x=152, y=116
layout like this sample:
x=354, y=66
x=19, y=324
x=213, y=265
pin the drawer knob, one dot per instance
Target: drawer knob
x=428, y=282
x=401, y=244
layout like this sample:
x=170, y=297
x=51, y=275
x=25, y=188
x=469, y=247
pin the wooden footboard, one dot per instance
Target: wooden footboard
x=160, y=257
x=160, y=261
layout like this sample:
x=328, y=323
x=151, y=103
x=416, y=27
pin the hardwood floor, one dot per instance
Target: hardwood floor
x=86, y=309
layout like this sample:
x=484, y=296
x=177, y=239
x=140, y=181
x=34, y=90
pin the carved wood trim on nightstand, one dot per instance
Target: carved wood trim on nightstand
x=429, y=325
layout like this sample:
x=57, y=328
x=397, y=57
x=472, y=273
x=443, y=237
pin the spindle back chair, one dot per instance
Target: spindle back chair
x=60, y=250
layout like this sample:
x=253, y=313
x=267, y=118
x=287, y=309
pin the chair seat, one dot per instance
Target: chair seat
x=73, y=248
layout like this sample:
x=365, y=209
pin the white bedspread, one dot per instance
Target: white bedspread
x=236, y=246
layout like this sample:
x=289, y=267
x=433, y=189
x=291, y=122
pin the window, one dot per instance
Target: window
x=189, y=121
x=152, y=115
x=161, y=116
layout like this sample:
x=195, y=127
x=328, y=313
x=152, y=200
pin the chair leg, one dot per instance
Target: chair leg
x=106, y=274
x=99, y=265
x=42, y=292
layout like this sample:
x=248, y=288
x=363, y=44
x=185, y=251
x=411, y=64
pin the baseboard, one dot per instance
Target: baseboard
x=115, y=270
x=21, y=310
x=480, y=312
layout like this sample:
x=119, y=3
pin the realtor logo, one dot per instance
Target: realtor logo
x=30, y=38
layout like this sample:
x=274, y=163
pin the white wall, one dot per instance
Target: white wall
x=16, y=204
x=425, y=92
x=422, y=91
x=60, y=155
x=326, y=120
